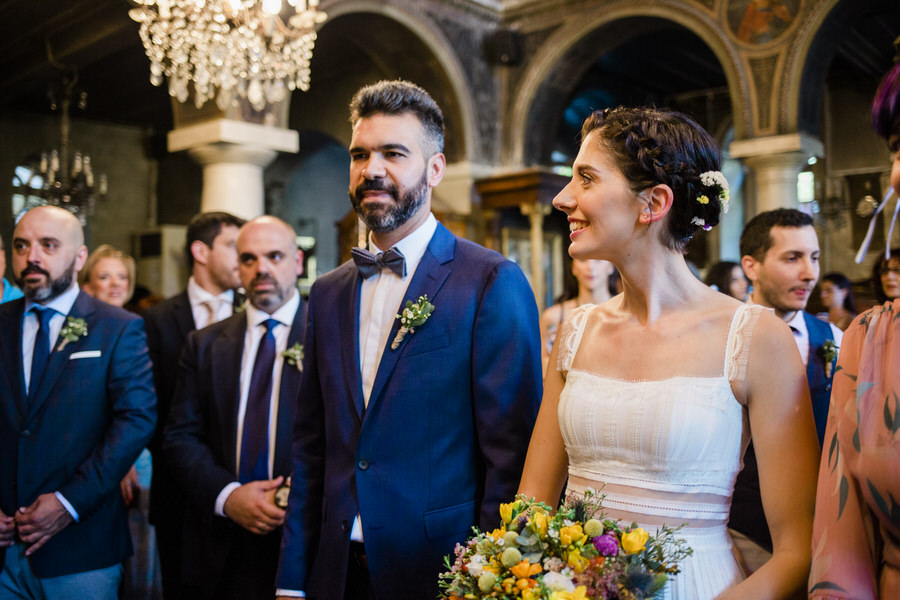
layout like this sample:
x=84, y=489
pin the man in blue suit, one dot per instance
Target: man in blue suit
x=76, y=406
x=780, y=256
x=228, y=437
x=405, y=437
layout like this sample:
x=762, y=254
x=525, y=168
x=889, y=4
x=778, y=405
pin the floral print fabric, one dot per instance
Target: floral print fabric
x=856, y=533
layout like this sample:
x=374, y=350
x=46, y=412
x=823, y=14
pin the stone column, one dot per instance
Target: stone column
x=775, y=162
x=233, y=155
x=536, y=212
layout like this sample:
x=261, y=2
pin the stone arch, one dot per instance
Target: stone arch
x=564, y=44
x=810, y=56
x=430, y=62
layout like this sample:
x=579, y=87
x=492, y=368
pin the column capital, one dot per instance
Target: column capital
x=775, y=161
x=239, y=133
x=233, y=155
x=777, y=145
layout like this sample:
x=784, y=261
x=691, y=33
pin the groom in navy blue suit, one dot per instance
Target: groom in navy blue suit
x=77, y=404
x=405, y=439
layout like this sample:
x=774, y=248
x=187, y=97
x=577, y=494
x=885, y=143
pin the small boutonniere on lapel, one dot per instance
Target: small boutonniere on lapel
x=240, y=307
x=829, y=356
x=294, y=356
x=73, y=330
x=414, y=315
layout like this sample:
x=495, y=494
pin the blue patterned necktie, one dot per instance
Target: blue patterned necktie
x=254, y=463
x=41, y=347
x=369, y=264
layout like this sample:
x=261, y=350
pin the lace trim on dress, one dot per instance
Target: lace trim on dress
x=740, y=336
x=570, y=336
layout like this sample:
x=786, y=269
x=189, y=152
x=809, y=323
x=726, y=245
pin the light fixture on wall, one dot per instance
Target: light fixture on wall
x=56, y=180
x=242, y=48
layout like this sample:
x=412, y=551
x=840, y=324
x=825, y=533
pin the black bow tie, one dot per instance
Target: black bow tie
x=369, y=264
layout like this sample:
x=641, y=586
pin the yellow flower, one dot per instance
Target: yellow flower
x=703, y=199
x=635, y=540
x=580, y=593
x=532, y=593
x=497, y=534
x=506, y=511
x=575, y=560
x=539, y=523
x=571, y=535
x=508, y=584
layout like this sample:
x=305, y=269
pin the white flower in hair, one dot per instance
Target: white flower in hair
x=701, y=223
x=716, y=179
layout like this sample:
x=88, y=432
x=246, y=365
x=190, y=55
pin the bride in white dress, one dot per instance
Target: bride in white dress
x=657, y=391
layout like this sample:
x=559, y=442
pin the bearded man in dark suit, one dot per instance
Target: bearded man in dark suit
x=406, y=438
x=77, y=405
x=228, y=437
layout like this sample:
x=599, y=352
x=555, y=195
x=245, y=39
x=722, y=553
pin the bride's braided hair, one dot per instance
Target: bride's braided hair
x=652, y=146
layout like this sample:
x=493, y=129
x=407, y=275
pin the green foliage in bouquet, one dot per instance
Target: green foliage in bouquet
x=574, y=554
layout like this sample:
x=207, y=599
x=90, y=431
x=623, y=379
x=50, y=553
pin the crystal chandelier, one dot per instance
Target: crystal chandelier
x=55, y=181
x=242, y=48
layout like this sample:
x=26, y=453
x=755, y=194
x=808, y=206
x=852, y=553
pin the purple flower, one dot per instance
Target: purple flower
x=606, y=545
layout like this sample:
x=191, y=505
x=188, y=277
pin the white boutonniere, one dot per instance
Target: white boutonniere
x=414, y=315
x=73, y=330
x=294, y=356
x=829, y=355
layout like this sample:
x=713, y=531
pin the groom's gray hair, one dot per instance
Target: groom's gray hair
x=397, y=98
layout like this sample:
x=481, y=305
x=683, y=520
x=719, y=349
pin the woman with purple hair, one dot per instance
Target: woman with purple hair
x=856, y=532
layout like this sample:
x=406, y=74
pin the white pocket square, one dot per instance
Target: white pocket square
x=85, y=354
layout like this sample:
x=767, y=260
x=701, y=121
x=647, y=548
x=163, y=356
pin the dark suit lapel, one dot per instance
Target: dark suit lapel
x=11, y=358
x=348, y=324
x=287, y=395
x=184, y=316
x=226, y=355
x=83, y=308
x=433, y=270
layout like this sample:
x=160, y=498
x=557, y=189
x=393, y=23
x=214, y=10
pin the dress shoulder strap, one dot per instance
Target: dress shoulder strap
x=570, y=336
x=740, y=336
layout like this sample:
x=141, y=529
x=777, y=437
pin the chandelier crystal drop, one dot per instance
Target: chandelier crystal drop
x=229, y=49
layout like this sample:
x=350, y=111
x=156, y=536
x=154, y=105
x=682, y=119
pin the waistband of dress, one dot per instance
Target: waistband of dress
x=671, y=511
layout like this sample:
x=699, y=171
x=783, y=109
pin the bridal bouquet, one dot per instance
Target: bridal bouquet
x=575, y=554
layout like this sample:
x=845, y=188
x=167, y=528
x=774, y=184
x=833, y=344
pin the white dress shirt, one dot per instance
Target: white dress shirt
x=801, y=334
x=62, y=305
x=201, y=300
x=254, y=333
x=380, y=300
x=379, y=304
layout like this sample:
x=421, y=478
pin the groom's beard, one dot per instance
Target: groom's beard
x=380, y=219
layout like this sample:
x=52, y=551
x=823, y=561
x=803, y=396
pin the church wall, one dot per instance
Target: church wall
x=118, y=151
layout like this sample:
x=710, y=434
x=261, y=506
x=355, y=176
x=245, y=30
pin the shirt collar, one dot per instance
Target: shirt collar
x=198, y=295
x=284, y=315
x=797, y=323
x=62, y=303
x=413, y=246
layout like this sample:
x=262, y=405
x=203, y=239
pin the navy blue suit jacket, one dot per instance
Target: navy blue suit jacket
x=443, y=439
x=79, y=435
x=200, y=439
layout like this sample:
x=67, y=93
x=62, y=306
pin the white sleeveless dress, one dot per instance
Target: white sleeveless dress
x=668, y=451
